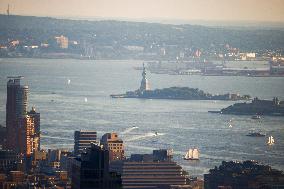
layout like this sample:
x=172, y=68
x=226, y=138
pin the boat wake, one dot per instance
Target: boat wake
x=128, y=130
x=58, y=146
x=60, y=138
x=147, y=135
x=141, y=147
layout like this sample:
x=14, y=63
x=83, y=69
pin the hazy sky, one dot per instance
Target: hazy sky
x=212, y=10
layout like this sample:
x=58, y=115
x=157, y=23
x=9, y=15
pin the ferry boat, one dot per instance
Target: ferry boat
x=192, y=154
x=270, y=140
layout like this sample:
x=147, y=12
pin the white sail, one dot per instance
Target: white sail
x=186, y=155
x=270, y=140
x=195, y=154
x=190, y=152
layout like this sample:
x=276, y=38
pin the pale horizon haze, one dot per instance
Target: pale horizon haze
x=210, y=10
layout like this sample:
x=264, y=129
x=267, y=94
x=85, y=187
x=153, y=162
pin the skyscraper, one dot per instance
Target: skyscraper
x=36, y=117
x=91, y=170
x=26, y=133
x=83, y=140
x=16, y=107
x=114, y=145
x=23, y=130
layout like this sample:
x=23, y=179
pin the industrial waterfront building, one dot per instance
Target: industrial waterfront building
x=83, y=140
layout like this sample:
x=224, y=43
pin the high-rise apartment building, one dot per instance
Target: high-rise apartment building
x=25, y=137
x=114, y=145
x=23, y=130
x=36, y=117
x=16, y=108
x=83, y=140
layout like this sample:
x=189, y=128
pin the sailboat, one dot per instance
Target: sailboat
x=192, y=154
x=270, y=140
x=230, y=123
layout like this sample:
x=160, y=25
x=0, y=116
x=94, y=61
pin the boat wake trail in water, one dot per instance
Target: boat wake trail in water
x=147, y=135
x=128, y=130
x=60, y=138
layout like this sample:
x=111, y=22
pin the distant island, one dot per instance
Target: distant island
x=175, y=93
x=273, y=107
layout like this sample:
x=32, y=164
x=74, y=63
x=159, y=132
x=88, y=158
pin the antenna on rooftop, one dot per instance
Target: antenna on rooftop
x=8, y=10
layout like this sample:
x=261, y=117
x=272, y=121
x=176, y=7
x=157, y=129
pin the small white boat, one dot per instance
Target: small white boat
x=255, y=117
x=192, y=154
x=231, y=123
x=271, y=141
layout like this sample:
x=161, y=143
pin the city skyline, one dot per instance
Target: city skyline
x=187, y=10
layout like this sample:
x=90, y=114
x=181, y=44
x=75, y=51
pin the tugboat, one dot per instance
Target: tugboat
x=192, y=154
x=256, y=134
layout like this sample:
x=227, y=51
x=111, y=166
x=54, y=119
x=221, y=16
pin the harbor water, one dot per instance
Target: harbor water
x=74, y=94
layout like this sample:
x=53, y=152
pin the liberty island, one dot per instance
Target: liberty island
x=175, y=93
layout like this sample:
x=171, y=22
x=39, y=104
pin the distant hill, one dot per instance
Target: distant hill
x=33, y=30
